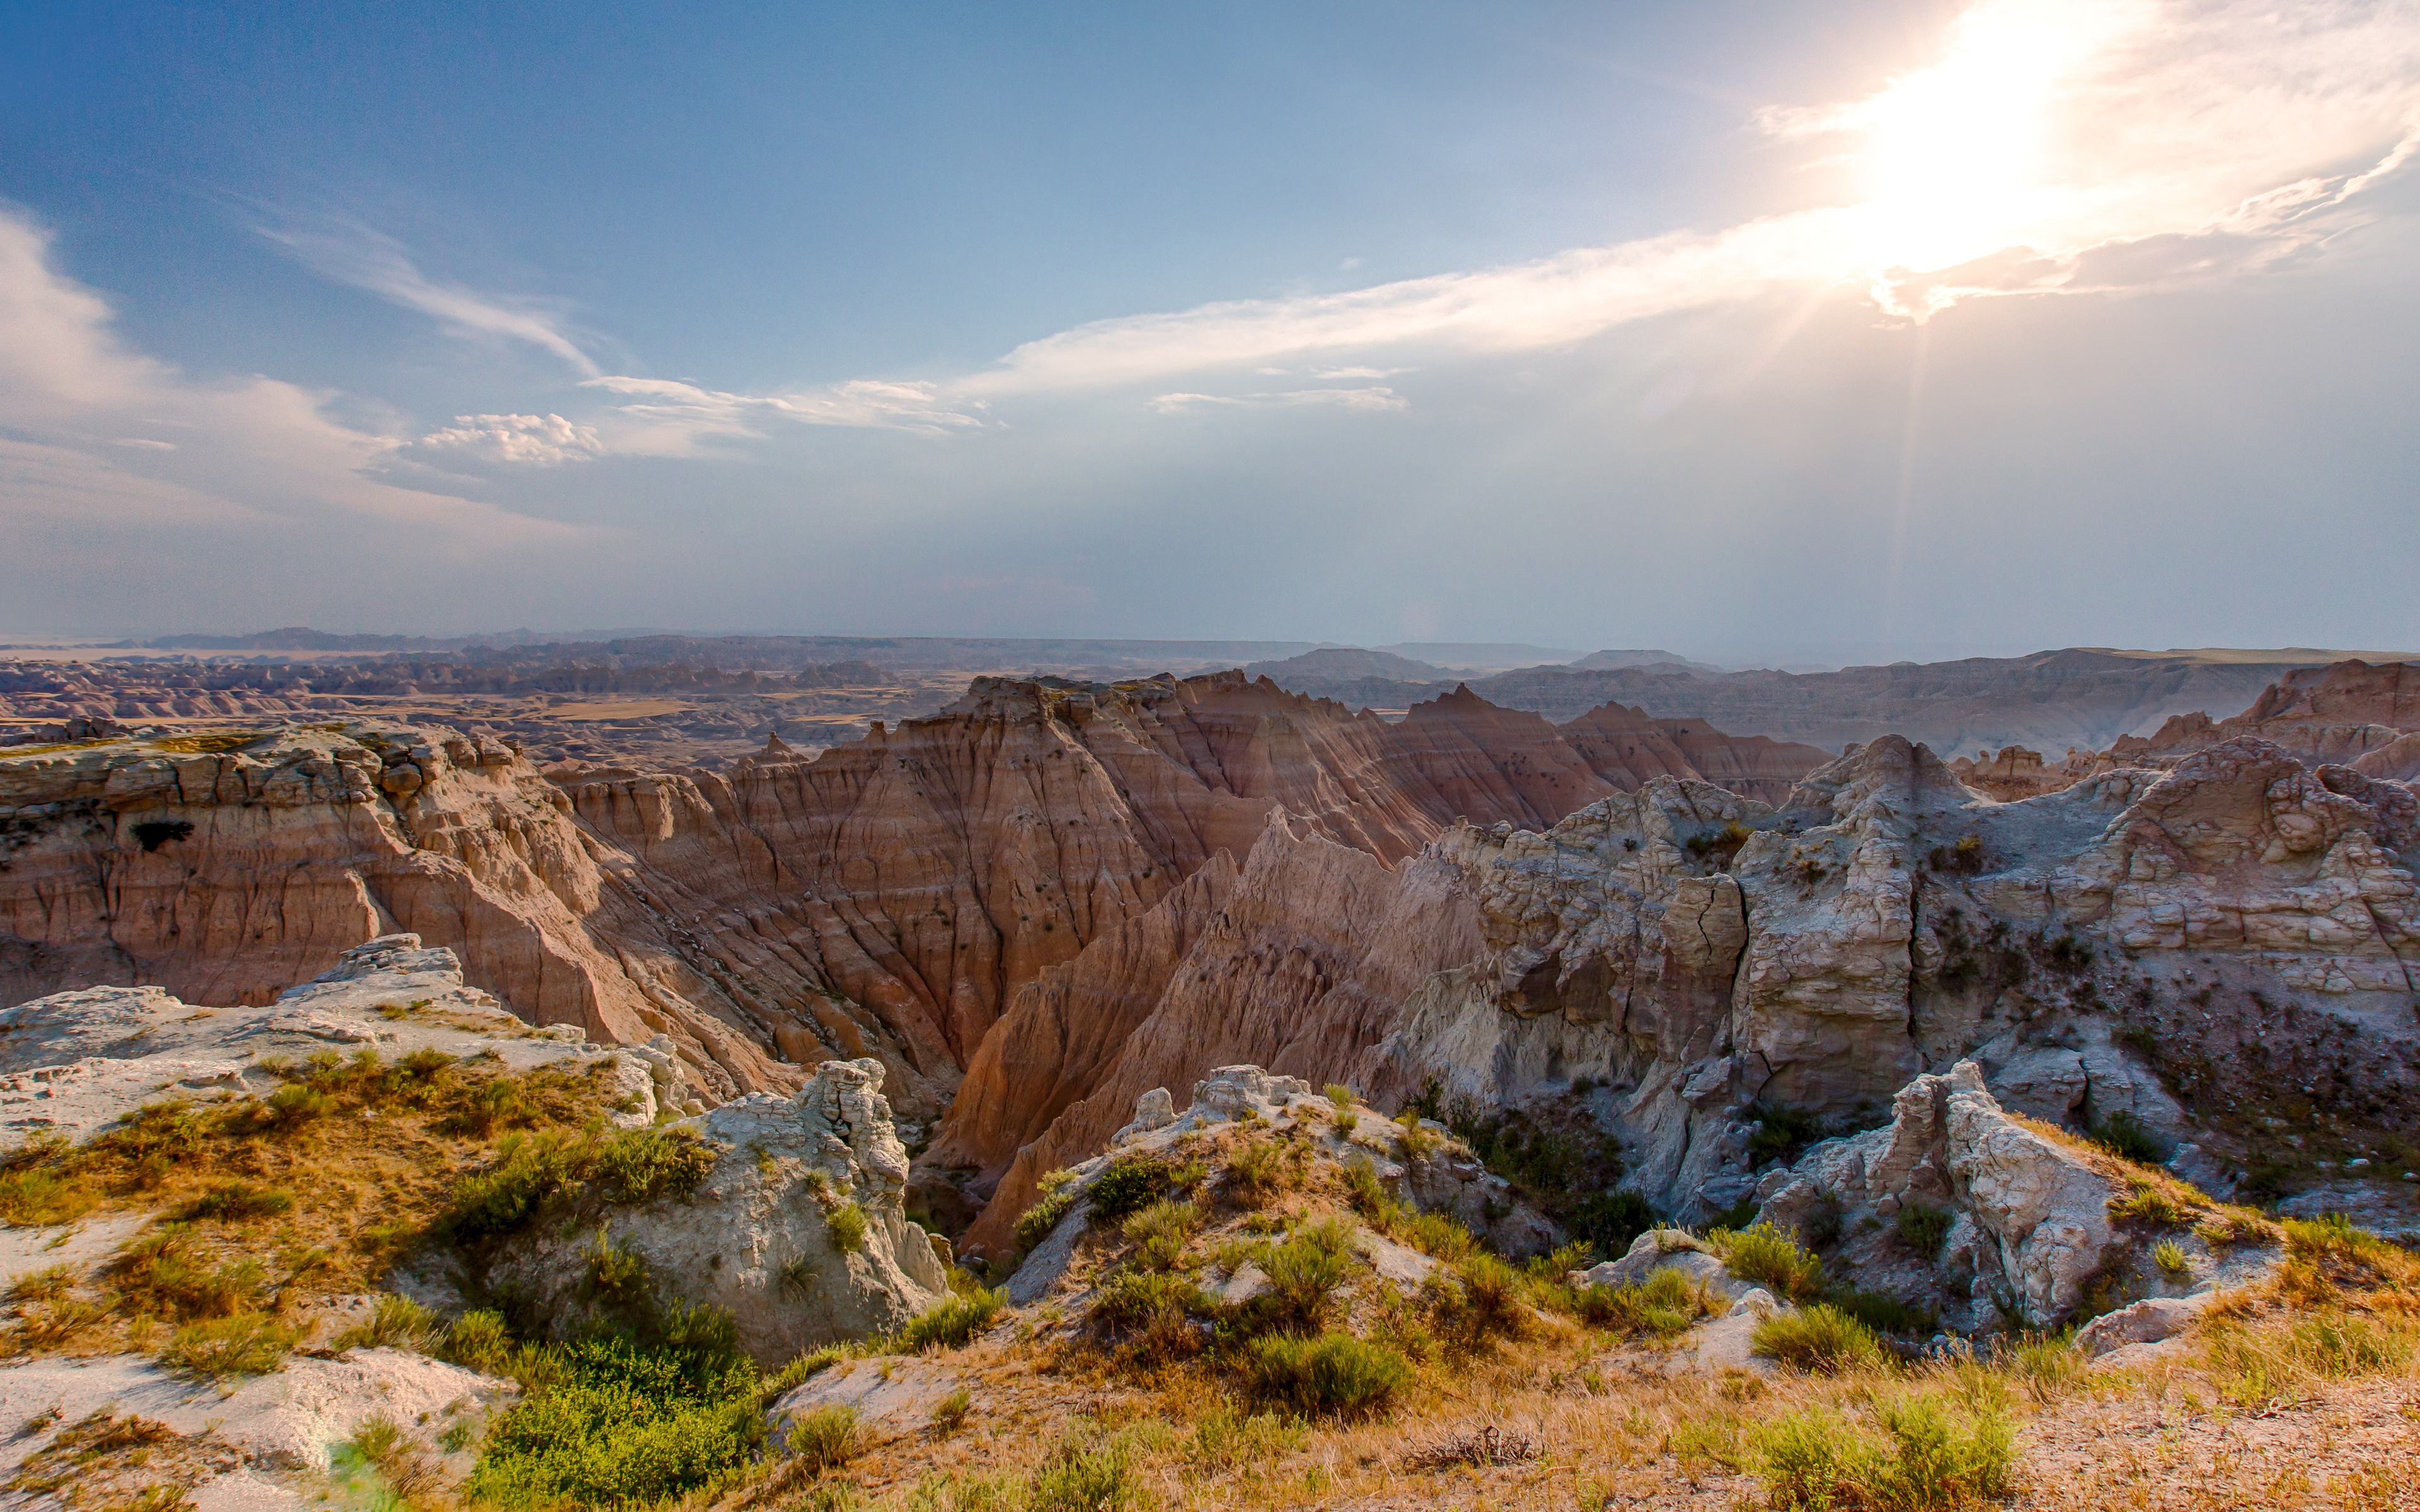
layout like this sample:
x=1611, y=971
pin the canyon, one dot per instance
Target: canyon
x=1057, y=895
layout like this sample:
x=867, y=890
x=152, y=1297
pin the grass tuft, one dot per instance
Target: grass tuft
x=1334, y=1375
x=950, y=1324
x=1821, y=1338
x=1768, y=1255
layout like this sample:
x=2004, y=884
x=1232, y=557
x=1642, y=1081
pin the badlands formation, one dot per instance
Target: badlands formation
x=771, y=1064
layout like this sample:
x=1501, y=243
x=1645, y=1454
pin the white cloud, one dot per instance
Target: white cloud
x=1371, y=401
x=664, y=417
x=541, y=441
x=2088, y=124
x=252, y=452
x=1360, y=372
x=352, y=253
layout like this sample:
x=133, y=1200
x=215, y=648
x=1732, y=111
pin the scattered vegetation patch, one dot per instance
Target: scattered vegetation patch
x=1922, y=1227
x=1132, y=1182
x=395, y=1323
x=243, y=1344
x=1665, y=1304
x=1821, y=1338
x=844, y=1222
x=630, y=1165
x=625, y=1423
x=1768, y=1255
x=1557, y=1157
x=1036, y=1222
x=2128, y=1137
x=1332, y=1374
x=214, y=743
x=236, y=1201
x=1920, y=1453
x=950, y=1324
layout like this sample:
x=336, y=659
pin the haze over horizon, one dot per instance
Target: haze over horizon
x=1764, y=334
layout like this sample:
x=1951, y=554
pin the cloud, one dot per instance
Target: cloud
x=665, y=417
x=2049, y=132
x=355, y=255
x=1371, y=400
x=250, y=451
x=540, y=440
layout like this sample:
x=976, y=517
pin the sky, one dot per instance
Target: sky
x=1780, y=330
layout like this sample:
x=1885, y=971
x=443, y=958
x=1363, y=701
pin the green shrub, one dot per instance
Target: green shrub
x=1261, y=1169
x=952, y=1324
x=1365, y=1192
x=1821, y=1338
x=1923, y=1228
x=395, y=1323
x=295, y=1104
x=242, y=1344
x=617, y=1277
x=1341, y=1096
x=2049, y=1367
x=845, y=1224
x=1438, y=1234
x=2153, y=1202
x=950, y=1412
x=1332, y=1374
x=507, y=1196
x=2169, y=1257
x=1159, y=1231
x=1769, y=1254
x=1304, y=1272
x=479, y=1341
x=1036, y=1222
x=825, y=1436
x=1225, y=1439
x=57, y=1323
x=1132, y=1182
x=1665, y=1304
x=641, y=1164
x=1129, y=1299
x=1480, y=1300
x=621, y=1425
x=631, y=1166
x=1926, y=1457
x=1077, y=1476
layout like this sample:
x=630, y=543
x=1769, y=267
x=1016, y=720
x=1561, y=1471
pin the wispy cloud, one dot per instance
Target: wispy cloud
x=666, y=417
x=1371, y=400
x=95, y=437
x=352, y=253
x=2051, y=136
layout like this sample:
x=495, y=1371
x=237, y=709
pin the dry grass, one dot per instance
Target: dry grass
x=2282, y=1404
x=308, y=1196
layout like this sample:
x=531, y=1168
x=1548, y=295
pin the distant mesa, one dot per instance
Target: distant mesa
x=1611, y=660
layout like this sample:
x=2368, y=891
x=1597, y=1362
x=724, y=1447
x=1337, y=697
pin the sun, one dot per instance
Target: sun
x=1956, y=156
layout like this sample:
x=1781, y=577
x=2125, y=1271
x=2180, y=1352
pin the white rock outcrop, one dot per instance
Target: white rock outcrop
x=765, y=1234
x=75, y=1063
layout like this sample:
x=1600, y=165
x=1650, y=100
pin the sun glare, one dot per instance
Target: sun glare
x=1955, y=154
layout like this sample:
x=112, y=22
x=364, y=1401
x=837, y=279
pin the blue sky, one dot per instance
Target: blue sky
x=1765, y=331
